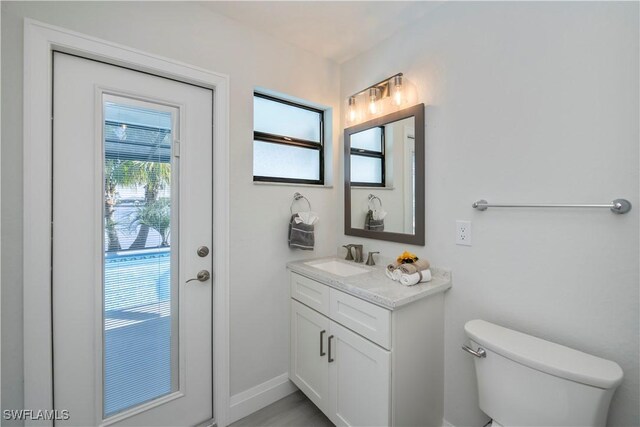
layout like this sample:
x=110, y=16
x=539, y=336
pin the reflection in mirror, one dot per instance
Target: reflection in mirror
x=382, y=178
x=382, y=198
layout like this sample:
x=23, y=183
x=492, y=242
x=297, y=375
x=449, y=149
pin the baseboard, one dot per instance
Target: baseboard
x=251, y=400
x=446, y=423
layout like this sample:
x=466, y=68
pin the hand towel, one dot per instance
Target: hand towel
x=414, y=267
x=379, y=214
x=373, y=224
x=415, y=278
x=309, y=218
x=301, y=236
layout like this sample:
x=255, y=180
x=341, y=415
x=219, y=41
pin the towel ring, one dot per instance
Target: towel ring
x=371, y=201
x=296, y=197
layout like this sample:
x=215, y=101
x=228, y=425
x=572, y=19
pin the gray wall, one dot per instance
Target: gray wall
x=259, y=214
x=527, y=102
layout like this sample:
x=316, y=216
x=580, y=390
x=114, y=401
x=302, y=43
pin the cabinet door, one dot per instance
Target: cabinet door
x=309, y=369
x=359, y=380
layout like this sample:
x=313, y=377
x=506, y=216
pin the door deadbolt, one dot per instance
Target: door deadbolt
x=202, y=251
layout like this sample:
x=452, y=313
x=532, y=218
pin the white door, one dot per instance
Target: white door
x=132, y=203
x=359, y=380
x=309, y=368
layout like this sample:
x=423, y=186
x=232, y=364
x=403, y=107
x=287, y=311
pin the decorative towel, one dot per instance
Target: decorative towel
x=392, y=271
x=391, y=268
x=373, y=224
x=301, y=235
x=414, y=267
x=415, y=278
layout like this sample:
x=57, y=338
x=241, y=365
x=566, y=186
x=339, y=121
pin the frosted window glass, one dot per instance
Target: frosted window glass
x=366, y=169
x=370, y=139
x=140, y=334
x=285, y=161
x=286, y=120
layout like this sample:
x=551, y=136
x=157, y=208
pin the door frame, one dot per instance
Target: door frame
x=40, y=40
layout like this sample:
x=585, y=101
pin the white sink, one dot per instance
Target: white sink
x=338, y=268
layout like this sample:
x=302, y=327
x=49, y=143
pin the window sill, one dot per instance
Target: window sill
x=291, y=184
x=371, y=188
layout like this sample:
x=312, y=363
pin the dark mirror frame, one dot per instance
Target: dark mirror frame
x=416, y=111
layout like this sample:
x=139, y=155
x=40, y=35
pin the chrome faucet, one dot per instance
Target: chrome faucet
x=358, y=257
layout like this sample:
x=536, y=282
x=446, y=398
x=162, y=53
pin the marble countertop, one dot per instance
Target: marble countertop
x=374, y=285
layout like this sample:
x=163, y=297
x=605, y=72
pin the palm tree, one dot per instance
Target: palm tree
x=156, y=215
x=116, y=173
x=155, y=176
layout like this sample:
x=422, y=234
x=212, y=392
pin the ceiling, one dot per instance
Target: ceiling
x=336, y=30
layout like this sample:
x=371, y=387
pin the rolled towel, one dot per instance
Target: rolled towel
x=391, y=268
x=389, y=273
x=414, y=267
x=396, y=274
x=415, y=278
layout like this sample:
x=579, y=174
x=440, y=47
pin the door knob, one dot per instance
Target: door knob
x=202, y=276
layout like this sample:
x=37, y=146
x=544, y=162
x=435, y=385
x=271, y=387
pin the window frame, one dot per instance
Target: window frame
x=375, y=154
x=291, y=141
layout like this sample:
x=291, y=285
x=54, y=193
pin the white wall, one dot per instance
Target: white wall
x=259, y=214
x=527, y=102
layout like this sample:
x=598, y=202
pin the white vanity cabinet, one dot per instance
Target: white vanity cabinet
x=363, y=364
x=360, y=376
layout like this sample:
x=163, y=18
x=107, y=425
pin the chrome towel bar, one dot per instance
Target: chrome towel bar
x=619, y=206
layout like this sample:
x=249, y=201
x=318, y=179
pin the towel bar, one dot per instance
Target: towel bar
x=619, y=206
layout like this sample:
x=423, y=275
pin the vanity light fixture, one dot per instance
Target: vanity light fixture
x=370, y=102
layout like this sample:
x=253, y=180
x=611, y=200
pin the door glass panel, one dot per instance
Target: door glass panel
x=140, y=334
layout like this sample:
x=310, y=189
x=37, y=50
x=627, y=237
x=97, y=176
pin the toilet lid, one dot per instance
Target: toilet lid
x=545, y=356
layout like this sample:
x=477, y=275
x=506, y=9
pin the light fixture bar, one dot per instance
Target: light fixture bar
x=382, y=85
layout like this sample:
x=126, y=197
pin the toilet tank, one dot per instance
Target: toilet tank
x=527, y=381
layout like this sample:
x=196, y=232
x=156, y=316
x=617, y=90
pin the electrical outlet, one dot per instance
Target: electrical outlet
x=463, y=233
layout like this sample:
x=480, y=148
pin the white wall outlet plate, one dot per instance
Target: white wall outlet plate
x=463, y=233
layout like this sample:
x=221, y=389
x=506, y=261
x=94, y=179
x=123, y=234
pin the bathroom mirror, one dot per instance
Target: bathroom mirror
x=384, y=177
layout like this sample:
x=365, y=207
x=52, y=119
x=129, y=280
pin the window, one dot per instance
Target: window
x=288, y=141
x=367, y=158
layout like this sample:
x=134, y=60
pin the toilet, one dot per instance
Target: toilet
x=527, y=381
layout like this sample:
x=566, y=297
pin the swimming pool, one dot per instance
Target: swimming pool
x=137, y=328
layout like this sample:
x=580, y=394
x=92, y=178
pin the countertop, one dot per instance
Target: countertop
x=374, y=286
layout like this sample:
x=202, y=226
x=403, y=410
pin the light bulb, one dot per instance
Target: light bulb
x=398, y=97
x=373, y=100
x=352, y=113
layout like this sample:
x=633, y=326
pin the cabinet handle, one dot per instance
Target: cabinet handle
x=322, y=352
x=330, y=358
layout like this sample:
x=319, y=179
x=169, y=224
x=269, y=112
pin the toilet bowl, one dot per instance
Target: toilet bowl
x=527, y=381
